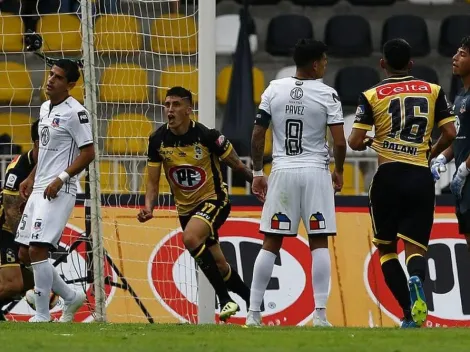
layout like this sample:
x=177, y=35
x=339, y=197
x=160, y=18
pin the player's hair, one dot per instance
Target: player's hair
x=35, y=131
x=181, y=92
x=397, y=53
x=465, y=43
x=72, y=73
x=307, y=51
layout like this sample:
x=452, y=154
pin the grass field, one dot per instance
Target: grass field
x=20, y=337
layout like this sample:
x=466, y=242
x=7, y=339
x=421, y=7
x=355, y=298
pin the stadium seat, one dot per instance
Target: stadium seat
x=431, y=2
x=174, y=34
x=113, y=177
x=60, y=33
x=259, y=2
x=284, y=31
x=356, y=43
x=223, y=84
x=315, y=2
x=351, y=81
x=453, y=29
x=426, y=73
x=267, y=168
x=349, y=178
x=124, y=83
x=11, y=33
x=77, y=92
x=371, y=2
x=164, y=186
x=411, y=28
x=18, y=127
x=15, y=84
x=117, y=33
x=227, y=28
x=128, y=134
x=179, y=75
x=455, y=86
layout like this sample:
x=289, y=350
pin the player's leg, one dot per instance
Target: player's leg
x=11, y=281
x=383, y=201
x=280, y=217
x=462, y=212
x=195, y=234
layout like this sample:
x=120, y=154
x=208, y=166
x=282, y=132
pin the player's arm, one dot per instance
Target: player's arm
x=363, y=123
x=86, y=156
x=26, y=187
x=233, y=160
x=258, y=139
x=12, y=204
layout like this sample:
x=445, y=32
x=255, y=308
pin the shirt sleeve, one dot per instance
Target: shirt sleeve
x=218, y=144
x=263, y=117
x=13, y=178
x=364, y=116
x=443, y=112
x=80, y=128
x=153, y=155
x=334, y=110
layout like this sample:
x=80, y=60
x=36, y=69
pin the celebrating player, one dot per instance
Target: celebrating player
x=65, y=149
x=300, y=109
x=460, y=148
x=15, y=278
x=190, y=154
x=403, y=110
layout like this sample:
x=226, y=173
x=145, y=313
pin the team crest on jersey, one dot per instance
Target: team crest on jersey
x=296, y=93
x=45, y=135
x=280, y=221
x=197, y=152
x=317, y=221
x=463, y=105
x=55, y=122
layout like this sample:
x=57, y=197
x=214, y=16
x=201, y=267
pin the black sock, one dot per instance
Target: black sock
x=396, y=281
x=234, y=283
x=416, y=265
x=206, y=262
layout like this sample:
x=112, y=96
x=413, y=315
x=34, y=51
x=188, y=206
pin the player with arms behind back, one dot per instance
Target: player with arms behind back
x=190, y=153
x=14, y=277
x=403, y=110
x=65, y=149
x=300, y=109
x=460, y=148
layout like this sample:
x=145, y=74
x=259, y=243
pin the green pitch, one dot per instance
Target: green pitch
x=136, y=337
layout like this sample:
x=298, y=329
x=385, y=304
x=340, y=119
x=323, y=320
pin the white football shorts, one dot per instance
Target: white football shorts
x=293, y=194
x=43, y=221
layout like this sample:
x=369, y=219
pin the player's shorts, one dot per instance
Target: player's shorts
x=8, y=250
x=401, y=204
x=214, y=212
x=43, y=221
x=293, y=194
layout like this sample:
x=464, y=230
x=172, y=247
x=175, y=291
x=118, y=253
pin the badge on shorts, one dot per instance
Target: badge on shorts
x=38, y=224
x=280, y=221
x=317, y=221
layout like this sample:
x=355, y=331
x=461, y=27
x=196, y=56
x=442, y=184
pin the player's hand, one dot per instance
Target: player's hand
x=26, y=188
x=259, y=187
x=54, y=187
x=337, y=178
x=437, y=167
x=144, y=215
x=457, y=183
x=367, y=142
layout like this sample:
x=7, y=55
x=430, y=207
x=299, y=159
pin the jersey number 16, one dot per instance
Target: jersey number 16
x=409, y=118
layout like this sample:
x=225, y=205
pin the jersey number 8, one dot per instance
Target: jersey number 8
x=409, y=118
x=293, y=141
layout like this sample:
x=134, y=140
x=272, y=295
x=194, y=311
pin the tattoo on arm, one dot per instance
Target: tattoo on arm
x=12, y=207
x=236, y=164
x=257, y=147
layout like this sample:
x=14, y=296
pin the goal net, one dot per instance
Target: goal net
x=132, y=54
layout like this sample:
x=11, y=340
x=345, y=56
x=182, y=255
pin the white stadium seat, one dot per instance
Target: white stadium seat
x=288, y=71
x=227, y=27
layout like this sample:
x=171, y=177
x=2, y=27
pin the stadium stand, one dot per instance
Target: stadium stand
x=351, y=81
x=124, y=83
x=178, y=75
x=117, y=33
x=356, y=43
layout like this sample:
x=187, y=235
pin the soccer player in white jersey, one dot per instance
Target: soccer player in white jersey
x=300, y=186
x=65, y=149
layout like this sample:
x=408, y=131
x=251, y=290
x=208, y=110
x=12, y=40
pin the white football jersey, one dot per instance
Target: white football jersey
x=299, y=111
x=63, y=129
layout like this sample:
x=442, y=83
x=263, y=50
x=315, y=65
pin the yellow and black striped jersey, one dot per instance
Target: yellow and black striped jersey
x=191, y=163
x=16, y=172
x=403, y=111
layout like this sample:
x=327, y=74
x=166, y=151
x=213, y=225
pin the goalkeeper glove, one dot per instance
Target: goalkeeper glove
x=438, y=165
x=459, y=179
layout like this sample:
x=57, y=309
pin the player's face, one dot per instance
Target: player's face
x=320, y=66
x=177, y=110
x=57, y=84
x=461, y=63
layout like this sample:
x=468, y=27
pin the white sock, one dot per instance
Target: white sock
x=321, y=273
x=61, y=288
x=43, y=276
x=262, y=272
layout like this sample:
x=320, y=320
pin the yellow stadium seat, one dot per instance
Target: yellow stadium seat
x=113, y=177
x=18, y=127
x=267, y=168
x=60, y=33
x=77, y=92
x=268, y=142
x=11, y=33
x=164, y=187
x=349, y=180
x=174, y=34
x=128, y=134
x=124, y=83
x=223, y=84
x=179, y=75
x=117, y=33
x=15, y=84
